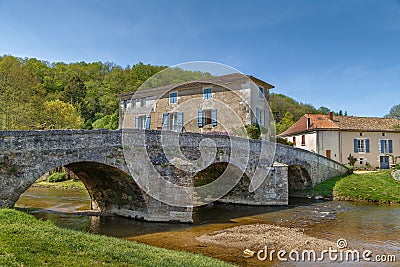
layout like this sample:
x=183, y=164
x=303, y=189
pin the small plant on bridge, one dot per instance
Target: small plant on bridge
x=57, y=177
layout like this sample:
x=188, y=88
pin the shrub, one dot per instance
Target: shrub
x=57, y=177
x=283, y=141
x=352, y=160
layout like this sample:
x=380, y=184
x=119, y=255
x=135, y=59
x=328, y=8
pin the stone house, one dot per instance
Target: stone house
x=372, y=141
x=220, y=104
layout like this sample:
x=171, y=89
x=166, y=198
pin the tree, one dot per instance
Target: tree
x=60, y=115
x=324, y=110
x=285, y=123
x=75, y=92
x=110, y=122
x=394, y=112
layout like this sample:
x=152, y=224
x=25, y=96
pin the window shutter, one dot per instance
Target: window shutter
x=214, y=117
x=165, y=121
x=355, y=146
x=367, y=146
x=265, y=117
x=180, y=121
x=199, y=118
x=382, y=146
x=390, y=146
x=148, y=122
x=136, y=122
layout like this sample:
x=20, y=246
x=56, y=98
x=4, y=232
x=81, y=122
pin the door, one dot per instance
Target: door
x=328, y=154
x=384, y=162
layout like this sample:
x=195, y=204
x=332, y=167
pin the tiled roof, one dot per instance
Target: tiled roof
x=345, y=123
x=223, y=79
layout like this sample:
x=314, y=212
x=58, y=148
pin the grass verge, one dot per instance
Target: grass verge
x=68, y=184
x=373, y=187
x=26, y=241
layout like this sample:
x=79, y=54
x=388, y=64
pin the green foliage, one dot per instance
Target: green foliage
x=59, y=115
x=375, y=187
x=285, y=123
x=352, y=160
x=394, y=112
x=281, y=104
x=57, y=177
x=110, y=122
x=283, y=141
x=253, y=131
x=26, y=241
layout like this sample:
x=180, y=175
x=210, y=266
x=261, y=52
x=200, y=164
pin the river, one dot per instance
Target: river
x=372, y=226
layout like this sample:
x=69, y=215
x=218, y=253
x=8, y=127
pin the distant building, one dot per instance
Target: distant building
x=141, y=110
x=370, y=140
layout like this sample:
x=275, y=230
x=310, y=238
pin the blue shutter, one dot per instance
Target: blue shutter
x=180, y=121
x=165, y=121
x=367, y=145
x=355, y=146
x=382, y=146
x=199, y=118
x=148, y=122
x=390, y=146
x=136, y=122
x=214, y=117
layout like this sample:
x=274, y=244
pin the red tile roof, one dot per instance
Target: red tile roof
x=345, y=123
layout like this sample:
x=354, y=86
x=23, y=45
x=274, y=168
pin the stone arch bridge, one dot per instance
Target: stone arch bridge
x=97, y=158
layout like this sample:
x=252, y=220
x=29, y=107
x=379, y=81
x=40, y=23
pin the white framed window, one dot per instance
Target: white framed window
x=207, y=93
x=362, y=161
x=173, y=97
x=172, y=121
x=361, y=145
x=386, y=146
x=142, y=122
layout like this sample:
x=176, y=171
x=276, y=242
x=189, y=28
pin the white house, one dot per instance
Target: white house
x=370, y=140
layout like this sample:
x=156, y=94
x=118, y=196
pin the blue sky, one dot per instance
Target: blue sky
x=344, y=54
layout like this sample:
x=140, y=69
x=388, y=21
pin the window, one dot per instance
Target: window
x=261, y=93
x=207, y=93
x=125, y=103
x=361, y=161
x=207, y=117
x=361, y=134
x=172, y=121
x=361, y=145
x=383, y=134
x=173, y=97
x=303, y=140
x=258, y=115
x=142, y=102
x=142, y=122
x=386, y=146
x=294, y=140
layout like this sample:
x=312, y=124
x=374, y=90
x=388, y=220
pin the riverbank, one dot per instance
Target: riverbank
x=360, y=187
x=71, y=184
x=26, y=241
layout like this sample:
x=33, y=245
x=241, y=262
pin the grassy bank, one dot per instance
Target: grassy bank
x=372, y=187
x=375, y=187
x=68, y=184
x=26, y=241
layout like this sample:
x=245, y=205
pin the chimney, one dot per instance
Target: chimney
x=331, y=116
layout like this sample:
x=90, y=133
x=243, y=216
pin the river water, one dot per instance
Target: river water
x=369, y=226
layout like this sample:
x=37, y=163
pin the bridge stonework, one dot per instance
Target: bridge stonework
x=97, y=158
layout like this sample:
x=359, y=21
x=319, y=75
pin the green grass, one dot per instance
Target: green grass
x=68, y=184
x=325, y=188
x=26, y=241
x=375, y=187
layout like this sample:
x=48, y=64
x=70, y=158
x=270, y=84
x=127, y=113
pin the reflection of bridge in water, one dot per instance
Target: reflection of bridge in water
x=97, y=158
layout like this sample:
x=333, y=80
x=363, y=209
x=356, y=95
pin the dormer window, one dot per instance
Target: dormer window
x=261, y=92
x=207, y=93
x=173, y=97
